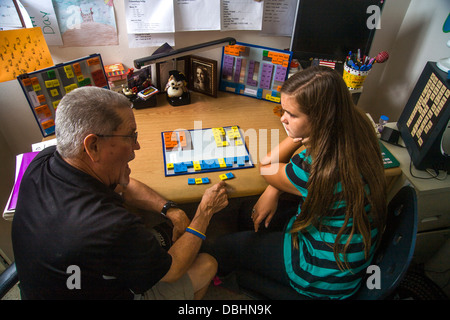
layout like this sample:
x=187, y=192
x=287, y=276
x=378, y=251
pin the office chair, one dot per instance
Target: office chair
x=393, y=256
x=8, y=279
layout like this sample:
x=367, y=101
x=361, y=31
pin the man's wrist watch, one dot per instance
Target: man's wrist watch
x=167, y=206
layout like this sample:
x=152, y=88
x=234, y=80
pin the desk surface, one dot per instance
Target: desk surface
x=424, y=184
x=262, y=130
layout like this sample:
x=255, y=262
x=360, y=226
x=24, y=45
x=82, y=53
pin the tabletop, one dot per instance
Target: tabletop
x=262, y=130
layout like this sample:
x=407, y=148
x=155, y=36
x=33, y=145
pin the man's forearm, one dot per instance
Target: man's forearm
x=140, y=196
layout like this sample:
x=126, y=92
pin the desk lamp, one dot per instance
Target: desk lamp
x=166, y=56
x=177, y=93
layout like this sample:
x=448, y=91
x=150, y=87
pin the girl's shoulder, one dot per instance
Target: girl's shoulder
x=302, y=159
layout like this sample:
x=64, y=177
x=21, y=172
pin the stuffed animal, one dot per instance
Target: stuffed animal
x=176, y=85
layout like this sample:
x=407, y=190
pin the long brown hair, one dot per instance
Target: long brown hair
x=344, y=149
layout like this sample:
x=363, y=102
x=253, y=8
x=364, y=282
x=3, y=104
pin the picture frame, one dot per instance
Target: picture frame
x=163, y=68
x=203, y=75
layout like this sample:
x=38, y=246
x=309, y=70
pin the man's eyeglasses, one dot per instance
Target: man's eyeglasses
x=133, y=136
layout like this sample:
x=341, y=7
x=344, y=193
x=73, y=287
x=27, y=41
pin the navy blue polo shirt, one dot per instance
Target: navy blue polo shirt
x=65, y=217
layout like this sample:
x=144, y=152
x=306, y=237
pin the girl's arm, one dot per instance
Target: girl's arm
x=272, y=167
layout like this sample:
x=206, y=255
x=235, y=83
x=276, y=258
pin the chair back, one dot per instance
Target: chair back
x=8, y=279
x=392, y=258
x=396, y=249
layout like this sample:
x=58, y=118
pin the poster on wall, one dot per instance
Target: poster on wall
x=241, y=15
x=21, y=51
x=43, y=15
x=86, y=23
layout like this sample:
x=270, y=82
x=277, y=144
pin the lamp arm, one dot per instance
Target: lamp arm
x=160, y=57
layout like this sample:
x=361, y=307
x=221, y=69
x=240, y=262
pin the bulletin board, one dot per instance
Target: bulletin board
x=204, y=150
x=45, y=88
x=254, y=71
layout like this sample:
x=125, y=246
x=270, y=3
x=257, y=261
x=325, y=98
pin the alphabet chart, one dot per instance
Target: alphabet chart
x=45, y=88
x=254, y=71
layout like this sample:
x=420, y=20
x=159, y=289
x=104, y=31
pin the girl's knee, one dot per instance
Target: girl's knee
x=209, y=263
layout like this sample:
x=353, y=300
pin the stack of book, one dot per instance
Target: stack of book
x=23, y=160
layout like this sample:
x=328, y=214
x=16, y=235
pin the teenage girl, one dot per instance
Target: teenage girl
x=328, y=240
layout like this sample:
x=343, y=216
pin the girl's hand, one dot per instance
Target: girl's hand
x=304, y=141
x=265, y=208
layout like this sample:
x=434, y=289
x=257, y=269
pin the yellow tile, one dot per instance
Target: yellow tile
x=222, y=163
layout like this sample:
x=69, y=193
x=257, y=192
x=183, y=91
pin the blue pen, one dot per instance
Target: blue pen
x=353, y=65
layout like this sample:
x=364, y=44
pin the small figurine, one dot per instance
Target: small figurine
x=176, y=89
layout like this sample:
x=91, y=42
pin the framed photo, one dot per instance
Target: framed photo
x=203, y=73
x=163, y=68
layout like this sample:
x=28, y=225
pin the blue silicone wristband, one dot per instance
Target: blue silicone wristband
x=196, y=233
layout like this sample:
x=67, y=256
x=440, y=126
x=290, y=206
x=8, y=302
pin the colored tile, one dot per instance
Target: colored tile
x=205, y=180
x=230, y=175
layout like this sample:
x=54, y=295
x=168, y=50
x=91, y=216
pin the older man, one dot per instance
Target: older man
x=72, y=235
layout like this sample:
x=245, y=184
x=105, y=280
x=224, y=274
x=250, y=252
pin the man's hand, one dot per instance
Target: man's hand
x=179, y=220
x=214, y=199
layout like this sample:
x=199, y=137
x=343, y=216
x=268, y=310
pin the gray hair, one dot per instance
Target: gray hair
x=84, y=111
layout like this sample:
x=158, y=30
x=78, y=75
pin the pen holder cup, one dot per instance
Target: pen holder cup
x=354, y=78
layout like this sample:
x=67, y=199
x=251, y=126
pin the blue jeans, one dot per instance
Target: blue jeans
x=260, y=253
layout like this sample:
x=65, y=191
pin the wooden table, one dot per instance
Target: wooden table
x=262, y=130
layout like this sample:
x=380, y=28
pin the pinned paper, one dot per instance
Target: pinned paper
x=85, y=23
x=22, y=51
x=43, y=15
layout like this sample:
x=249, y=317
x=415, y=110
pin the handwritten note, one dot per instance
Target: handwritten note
x=22, y=51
